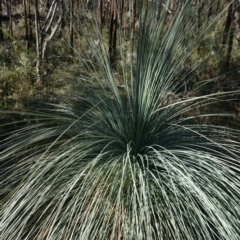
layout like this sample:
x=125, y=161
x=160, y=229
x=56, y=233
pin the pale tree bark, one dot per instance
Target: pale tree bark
x=51, y=27
x=47, y=30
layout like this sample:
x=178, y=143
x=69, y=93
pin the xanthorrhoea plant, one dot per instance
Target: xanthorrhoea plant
x=128, y=165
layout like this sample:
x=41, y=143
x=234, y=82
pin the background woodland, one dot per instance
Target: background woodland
x=44, y=44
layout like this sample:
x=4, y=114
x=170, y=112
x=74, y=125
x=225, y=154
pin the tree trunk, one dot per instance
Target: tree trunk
x=30, y=23
x=10, y=20
x=133, y=21
x=71, y=30
x=38, y=45
x=113, y=34
x=121, y=11
x=231, y=33
x=26, y=23
x=78, y=13
x=228, y=23
x=125, y=18
x=100, y=14
x=48, y=30
x=48, y=4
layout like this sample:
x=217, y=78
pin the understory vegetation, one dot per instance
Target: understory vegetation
x=142, y=147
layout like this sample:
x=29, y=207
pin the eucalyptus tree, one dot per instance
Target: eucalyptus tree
x=129, y=163
x=45, y=30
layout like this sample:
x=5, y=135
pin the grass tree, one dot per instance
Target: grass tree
x=129, y=163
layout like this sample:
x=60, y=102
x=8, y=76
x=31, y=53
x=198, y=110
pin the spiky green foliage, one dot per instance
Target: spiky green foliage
x=129, y=164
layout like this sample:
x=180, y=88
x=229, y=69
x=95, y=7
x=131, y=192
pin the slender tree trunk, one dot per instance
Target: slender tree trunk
x=10, y=20
x=231, y=34
x=113, y=34
x=107, y=12
x=111, y=55
x=133, y=21
x=30, y=23
x=121, y=10
x=46, y=31
x=64, y=21
x=38, y=45
x=50, y=27
x=1, y=32
x=71, y=30
x=228, y=23
x=100, y=14
x=125, y=18
x=26, y=23
x=48, y=4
